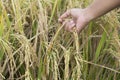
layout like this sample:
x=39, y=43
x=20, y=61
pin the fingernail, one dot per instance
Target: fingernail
x=59, y=20
x=73, y=24
x=71, y=21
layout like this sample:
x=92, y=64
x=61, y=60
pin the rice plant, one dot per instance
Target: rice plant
x=35, y=46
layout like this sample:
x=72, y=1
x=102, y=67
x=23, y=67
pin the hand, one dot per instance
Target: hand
x=79, y=19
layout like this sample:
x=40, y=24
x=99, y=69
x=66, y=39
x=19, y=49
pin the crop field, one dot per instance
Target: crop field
x=35, y=46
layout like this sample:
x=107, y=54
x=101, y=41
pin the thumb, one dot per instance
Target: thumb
x=64, y=15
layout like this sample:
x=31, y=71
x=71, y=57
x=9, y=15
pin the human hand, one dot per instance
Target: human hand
x=79, y=19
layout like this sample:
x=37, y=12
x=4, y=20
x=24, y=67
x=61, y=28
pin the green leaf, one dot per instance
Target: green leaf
x=100, y=45
x=1, y=53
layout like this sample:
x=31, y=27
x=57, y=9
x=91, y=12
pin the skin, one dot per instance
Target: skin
x=81, y=17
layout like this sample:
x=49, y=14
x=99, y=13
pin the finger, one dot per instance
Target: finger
x=66, y=26
x=78, y=27
x=69, y=25
x=63, y=16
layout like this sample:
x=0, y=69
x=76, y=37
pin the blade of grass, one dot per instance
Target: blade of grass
x=100, y=45
x=53, y=11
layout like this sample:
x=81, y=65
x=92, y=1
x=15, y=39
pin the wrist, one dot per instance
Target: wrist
x=89, y=16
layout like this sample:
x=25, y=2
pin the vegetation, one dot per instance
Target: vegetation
x=34, y=46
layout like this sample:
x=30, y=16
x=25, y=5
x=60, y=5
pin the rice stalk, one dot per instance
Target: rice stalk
x=67, y=60
x=77, y=56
